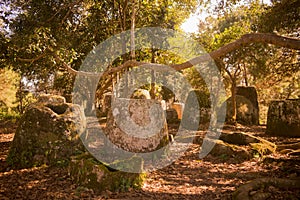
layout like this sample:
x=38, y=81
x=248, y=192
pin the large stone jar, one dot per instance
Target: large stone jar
x=137, y=125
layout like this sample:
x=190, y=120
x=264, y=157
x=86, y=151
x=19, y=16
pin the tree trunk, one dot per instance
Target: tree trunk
x=123, y=40
x=20, y=97
x=152, y=86
x=245, y=75
x=132, y=36
x=233, y=101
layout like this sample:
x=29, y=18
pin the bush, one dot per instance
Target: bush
x=8, y=115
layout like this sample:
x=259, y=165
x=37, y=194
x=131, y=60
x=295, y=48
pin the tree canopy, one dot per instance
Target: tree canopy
x=47, y=41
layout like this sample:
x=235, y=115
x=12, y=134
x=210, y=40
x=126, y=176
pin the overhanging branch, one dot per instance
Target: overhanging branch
x=265, y=38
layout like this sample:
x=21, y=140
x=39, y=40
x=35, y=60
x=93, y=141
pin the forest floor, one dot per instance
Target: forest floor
x=187, y=178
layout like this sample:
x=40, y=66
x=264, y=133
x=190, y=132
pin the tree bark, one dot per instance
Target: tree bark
x=132, y=36
x=233, y=101
x=152, y=85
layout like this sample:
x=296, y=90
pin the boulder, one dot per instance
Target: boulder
x=227, y=151
x=257, y=144
x=137, y=125
x=239, y=145
x=238, y=138
x=284, y=118
x=197, y=110
x=48, y=133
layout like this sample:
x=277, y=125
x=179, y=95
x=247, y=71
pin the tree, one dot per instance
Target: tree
x=61, y=32
x=282, y=16
x=51, y=38
x=248, y=64
x=9, y=81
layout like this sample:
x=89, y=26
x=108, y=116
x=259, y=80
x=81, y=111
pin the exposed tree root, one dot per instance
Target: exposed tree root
x=294, y=146
x=289, y=149
x=250, y=191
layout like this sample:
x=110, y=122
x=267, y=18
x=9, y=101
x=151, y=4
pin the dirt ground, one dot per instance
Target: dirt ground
x=187, y=178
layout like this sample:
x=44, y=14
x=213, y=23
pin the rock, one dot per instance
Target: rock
x=48, y=133
x=137, y=125
x=247, y=114
x=191, y=114
x=246, y=104
x=51, y=99
x=197, y=110
x=88, y=172
x=257, y=144
x=226, y=151
x=240, y=145
x=238, y=138
x=284, y=118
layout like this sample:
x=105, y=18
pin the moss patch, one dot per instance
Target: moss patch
x=90, y=173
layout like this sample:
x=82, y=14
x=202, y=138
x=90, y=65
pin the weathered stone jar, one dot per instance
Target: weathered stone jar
x=137, y=125
x=284, y=118
x=48, y=133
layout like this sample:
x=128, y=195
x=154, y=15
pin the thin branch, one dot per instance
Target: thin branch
x=73, y=71
x=31, y=60
x=70, y=6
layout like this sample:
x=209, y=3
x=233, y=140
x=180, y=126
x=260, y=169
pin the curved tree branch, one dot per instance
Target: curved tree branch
x=265, y=38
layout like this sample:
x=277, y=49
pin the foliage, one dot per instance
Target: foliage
x=71, y=29
x=272, y=70
x=44, y=36
x=283, y=16
x=9, y=81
